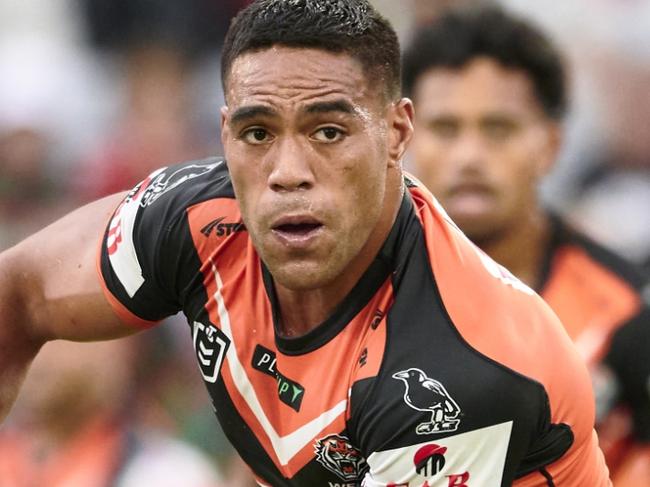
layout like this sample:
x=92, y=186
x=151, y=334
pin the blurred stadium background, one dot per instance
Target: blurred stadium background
x=96, y=93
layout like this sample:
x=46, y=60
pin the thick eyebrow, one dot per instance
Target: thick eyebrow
x=439, y=116
x=342, y=106
x=245, y=113
x=500, y=116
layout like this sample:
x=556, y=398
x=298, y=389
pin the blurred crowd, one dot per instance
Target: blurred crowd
x=94, y=94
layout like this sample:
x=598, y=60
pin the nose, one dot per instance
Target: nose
x=469, y=151
x=290, y=168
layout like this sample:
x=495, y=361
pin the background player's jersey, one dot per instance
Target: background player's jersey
x=438, y=369
x=603, y=302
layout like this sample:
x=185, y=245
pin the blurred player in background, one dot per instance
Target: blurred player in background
x=489, y=91
x=76, y=425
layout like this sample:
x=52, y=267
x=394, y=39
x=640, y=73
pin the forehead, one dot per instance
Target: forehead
x=483, y=85
x=292, y=75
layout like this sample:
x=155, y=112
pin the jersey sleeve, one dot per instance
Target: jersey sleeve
x=628, y=357
x=145, y=251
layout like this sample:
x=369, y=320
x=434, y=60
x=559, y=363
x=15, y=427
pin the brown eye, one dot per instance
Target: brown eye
x=256, y=135
x=498, y=129
x=444, y=128
x=328, y=134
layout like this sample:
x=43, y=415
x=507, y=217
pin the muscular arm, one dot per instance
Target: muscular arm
x=49, y=289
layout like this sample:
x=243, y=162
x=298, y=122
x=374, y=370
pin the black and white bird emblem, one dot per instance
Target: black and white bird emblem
x=426, y=394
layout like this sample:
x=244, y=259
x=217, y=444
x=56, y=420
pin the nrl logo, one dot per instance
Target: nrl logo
x=426, y=394
x=336, y=454
x=211, y=345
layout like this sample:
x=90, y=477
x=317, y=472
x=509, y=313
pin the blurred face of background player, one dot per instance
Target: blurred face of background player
x=482, y=143
x=70, y=384
x=314, y=152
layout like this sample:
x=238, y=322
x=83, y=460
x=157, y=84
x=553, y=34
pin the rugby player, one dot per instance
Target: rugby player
x=347, y=332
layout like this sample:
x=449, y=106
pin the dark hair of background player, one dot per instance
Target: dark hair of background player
x=461, y=35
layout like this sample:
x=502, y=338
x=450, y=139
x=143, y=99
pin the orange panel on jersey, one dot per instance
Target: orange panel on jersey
x=590, y=300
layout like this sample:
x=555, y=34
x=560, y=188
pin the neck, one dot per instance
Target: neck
x=304, y=310
x=521, y=248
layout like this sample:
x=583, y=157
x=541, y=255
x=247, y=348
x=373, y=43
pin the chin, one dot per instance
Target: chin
x=303, y=276
x=480, y=232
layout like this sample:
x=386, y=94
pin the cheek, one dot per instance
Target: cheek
x=517, y=172
x=431, y=161
x=360, y=190
x=248, y=184
x=423, y=145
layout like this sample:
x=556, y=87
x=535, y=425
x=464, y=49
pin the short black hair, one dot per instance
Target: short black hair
x=462, y=34
x=353, y=27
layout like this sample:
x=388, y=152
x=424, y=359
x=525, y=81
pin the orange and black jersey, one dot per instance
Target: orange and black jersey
x=603, y=302
x=438, y=369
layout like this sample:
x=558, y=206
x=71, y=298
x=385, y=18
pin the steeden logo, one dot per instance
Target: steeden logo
x=219, y=228
x=376, y=319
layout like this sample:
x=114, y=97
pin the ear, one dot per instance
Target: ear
x=225, y=133
x=400, y=127
x=550, y=149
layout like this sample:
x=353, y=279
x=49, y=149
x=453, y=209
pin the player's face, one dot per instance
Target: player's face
x=481, y=144
x=310, y=146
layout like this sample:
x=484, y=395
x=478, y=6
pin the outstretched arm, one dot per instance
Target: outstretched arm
x=49, y=289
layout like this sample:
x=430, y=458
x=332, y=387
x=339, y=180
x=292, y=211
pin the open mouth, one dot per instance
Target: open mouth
x=469, y=198
x=297, y=231
x=470, y=188
x=297, y=228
